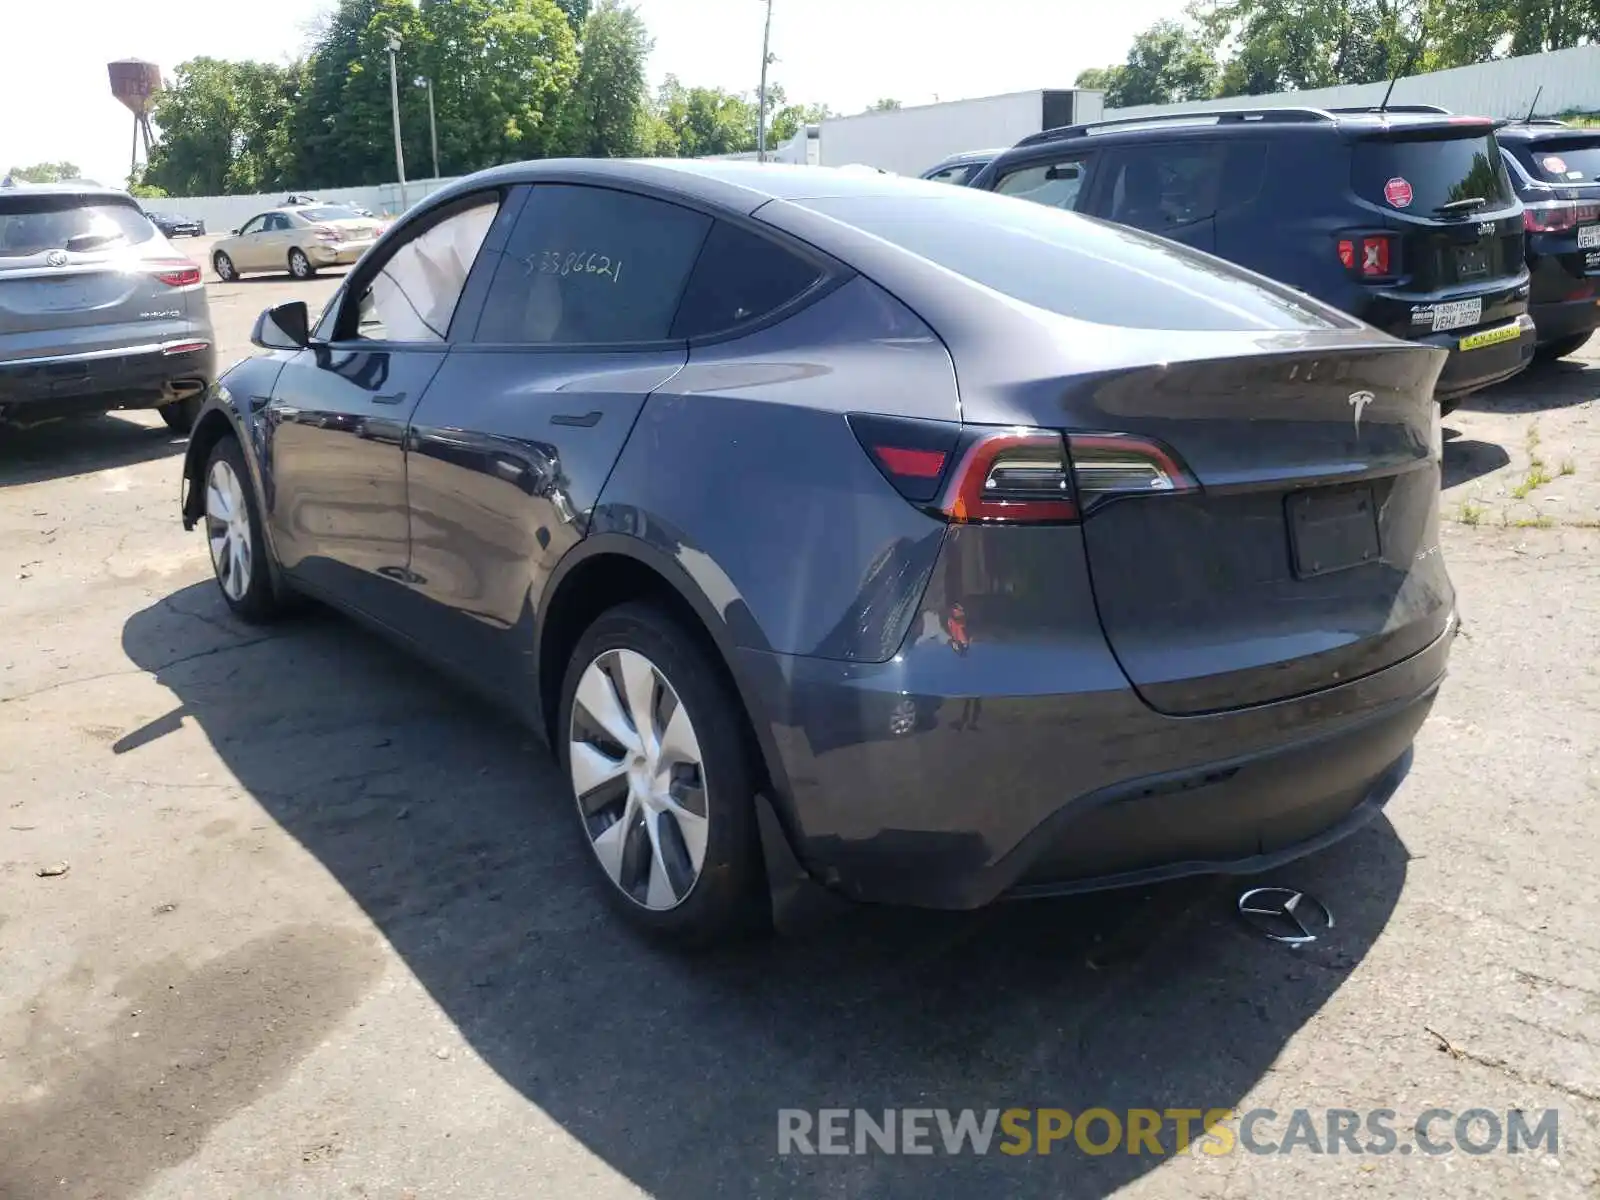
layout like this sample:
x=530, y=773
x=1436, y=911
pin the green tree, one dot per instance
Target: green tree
x=225, y=128
x=1167, y=63
x=1287, y=45
x=1099, y=79
x=884, y=105
x=788, y=120
x=604, y=115
x=49, y=172
x=703, y=121
x=1462, y=33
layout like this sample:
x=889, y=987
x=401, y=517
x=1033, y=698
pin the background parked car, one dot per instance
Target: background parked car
x=97, y=310
x=818, y=517
x=1406, y=219
x=1556, y=170
x=176, y=225
x=299, y=240
x=961, y=168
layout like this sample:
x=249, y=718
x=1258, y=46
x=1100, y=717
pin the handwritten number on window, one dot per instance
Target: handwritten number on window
x=576, y=262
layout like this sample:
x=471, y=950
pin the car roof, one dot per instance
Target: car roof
x=85, y=189
x=969, y=156
x=1535, y=131
x=741, y=186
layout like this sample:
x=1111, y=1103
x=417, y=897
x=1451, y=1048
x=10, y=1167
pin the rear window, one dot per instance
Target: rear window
x=34, y=224
x=330, y=212
x=1439, y=171
x=1563, y=161
x=1076, y=266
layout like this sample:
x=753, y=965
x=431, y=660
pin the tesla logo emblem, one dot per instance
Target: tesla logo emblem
x=56, y=258
x=1358, y=403
x=1285, y=915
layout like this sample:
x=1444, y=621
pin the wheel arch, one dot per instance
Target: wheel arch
x=607, y=569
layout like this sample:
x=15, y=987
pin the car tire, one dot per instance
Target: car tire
x=232, y=525
x=299, y=265
x=1551, y=351
x=223, y=266
x=642, y=840
x=181, y=415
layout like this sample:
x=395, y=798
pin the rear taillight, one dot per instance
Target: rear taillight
x=1558, y=216
x=976, y=475
x=177, y=272
x=1369, y=255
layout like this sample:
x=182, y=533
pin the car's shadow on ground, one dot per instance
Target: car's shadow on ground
x=1466, y=459
x=1555, y=384
x=447, y=827
x=76, y=447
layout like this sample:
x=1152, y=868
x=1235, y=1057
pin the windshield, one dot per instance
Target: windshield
x=1440, y=171
x=1564, y=160
x=1082, y=268
x=330, y=212
x=34, y=224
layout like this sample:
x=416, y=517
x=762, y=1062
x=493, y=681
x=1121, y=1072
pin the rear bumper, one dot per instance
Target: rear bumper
x=130, y=377
x=1564, y=319
x=326, y=254
x=899, y=794
x=1469, y=371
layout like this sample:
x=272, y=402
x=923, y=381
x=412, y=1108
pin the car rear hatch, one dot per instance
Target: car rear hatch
x=1440, y=234
x=81, y=276
x=1563, y=217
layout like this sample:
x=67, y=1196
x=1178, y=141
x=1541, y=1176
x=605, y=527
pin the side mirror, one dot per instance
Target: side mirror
x=235, y=232
x=285, y=326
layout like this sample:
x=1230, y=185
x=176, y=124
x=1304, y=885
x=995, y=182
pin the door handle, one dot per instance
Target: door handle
x=389, y=398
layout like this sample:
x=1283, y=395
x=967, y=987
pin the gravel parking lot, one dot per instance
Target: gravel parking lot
x=324, y=927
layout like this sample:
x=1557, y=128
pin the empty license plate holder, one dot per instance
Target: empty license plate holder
x=1332, y=529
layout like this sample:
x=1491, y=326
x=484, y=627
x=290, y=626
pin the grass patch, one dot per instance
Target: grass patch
x=1470, y=514
x=1535, y=479
x=1534, y=523
x=1568, y=467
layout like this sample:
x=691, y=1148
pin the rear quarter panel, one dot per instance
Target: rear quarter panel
x=744, y=470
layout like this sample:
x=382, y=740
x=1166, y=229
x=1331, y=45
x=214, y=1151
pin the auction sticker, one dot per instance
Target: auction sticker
x=1555, y=164
x=1398, y=192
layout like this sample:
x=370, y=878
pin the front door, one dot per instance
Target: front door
x=338, y=415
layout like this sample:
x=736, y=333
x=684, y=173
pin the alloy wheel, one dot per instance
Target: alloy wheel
x=299, y=264
x=228, y=530
x=223, y=265
x=636, y=770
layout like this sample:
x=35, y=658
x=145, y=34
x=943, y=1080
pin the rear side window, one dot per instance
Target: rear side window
x=1563, y=161
x=960, y=174
x=1077, y=266
x=739, y=277
x=1058, y=183
x=330, y=212
x=592, y=265
x=1438, y=171
x=37, y=224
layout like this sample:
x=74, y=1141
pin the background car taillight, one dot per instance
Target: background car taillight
x=1558, y=216
x=1369, y=255
x=176, y=272
x=1015, y=475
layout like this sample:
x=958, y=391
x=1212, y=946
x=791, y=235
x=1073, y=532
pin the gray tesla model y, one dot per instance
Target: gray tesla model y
x=855, y=534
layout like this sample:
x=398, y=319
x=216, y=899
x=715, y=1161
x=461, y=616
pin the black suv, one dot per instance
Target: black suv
x=1555, y=168
x=1404, y=218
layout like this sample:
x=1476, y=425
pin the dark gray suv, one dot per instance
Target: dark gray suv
x=97, y=310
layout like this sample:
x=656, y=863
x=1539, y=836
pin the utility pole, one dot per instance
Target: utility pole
x=761, y=115
x=433, y=131
x=394, y=103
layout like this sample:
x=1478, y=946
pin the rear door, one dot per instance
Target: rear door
x=80, y=275
x=1442, y=191
x=1168, y=188
x=511, y=446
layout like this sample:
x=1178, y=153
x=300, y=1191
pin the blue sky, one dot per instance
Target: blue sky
x=55, y=102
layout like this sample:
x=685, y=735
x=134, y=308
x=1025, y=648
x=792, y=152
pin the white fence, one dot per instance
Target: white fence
x=1570, y=79
x=222, y=213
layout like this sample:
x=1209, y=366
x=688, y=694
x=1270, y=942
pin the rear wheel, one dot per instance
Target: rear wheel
x=654, y=746
x=233, y=534
x=299, y=265
x=223, y=266
x=1563, y=347
x=181, y=415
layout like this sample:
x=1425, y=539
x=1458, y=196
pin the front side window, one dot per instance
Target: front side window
x=414, y=293
x=591, y=265
x=253, y=225
x=1058, y=183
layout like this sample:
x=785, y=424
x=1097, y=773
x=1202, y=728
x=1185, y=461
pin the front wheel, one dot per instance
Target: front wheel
x=223, y=266
x=653, y=743
x=299, y=265
x=233, y=533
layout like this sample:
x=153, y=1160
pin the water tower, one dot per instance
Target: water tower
x=135, y=83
